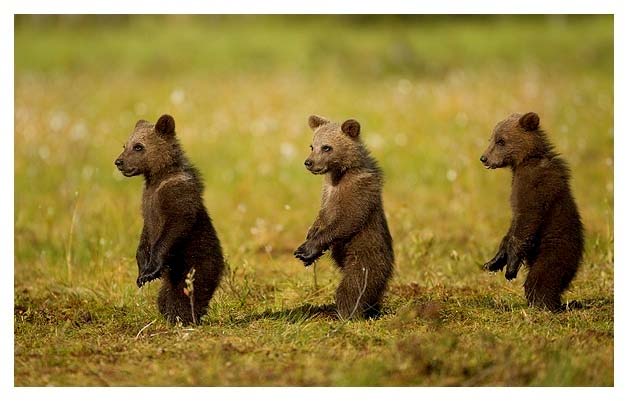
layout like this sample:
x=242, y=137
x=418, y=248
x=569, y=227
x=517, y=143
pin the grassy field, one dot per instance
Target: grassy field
x=427, y=92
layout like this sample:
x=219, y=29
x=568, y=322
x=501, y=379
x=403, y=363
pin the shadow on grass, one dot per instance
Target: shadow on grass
x=305, y=312
x=295, y=315
x=505, y=306
x=590, y=303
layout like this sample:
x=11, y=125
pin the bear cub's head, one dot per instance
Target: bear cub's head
x=149, y=148
x=335, y=148
x=514, y=140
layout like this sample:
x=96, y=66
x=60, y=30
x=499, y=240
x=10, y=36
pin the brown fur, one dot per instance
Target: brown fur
x=178, y=234
x=546, y=231
x=351, y=221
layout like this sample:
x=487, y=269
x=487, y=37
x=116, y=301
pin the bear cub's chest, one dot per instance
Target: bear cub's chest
x=153, y=218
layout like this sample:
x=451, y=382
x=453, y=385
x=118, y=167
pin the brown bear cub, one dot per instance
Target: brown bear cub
x=178, y=234
x=351, y=221
x=545, y=231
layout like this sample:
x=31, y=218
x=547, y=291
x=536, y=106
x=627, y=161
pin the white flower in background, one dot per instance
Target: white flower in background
x=375, y=140
x=262, y=126
x=58, y=121
x=452, y=175
x=259, y=227
x=287, y=150
x=88, y=172
x=401, y=139
x=43, y=152
x=177, y=96
x=404, y=86
x=79, y=130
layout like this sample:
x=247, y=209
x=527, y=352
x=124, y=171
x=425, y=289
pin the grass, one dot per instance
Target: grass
x=427, y=92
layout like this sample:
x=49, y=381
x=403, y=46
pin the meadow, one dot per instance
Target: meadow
x=427, y=92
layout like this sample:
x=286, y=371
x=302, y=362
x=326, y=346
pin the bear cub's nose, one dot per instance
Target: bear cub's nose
x=119, y=162
x=483, y=159
x=308, y=163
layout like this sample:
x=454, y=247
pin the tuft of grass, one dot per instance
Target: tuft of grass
x=427, y=91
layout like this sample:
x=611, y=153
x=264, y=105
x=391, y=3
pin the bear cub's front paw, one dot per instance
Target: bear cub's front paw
x=511, y=273
x=493, y=265
x=497, y=263
x=307, y=253
x=512, y=268
x=149, y=275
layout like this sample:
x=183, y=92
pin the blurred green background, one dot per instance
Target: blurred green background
x=426, y=89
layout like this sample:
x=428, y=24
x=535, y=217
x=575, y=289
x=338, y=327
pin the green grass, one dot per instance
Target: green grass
x=427, y=91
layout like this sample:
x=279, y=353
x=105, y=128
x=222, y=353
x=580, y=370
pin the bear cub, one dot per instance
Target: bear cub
x=351, y=222
x=178, y=234
x=546, y=231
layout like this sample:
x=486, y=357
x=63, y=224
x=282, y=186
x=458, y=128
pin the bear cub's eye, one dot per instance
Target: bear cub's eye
x=311, y=147
x=326, y=148
x=138, y=147
x=501, y=142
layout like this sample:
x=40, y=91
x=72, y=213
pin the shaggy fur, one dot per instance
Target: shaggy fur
x=546, y=231
x=178, y=234
x=351, y=222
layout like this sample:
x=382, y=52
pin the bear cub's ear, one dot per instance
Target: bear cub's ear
x=165, y=125
x=140, y=123
x=315, y=121
x=351, y=128
x=529, y=121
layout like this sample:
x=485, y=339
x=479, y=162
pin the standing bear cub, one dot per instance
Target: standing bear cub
x=178, y=234
x=351, y=221
x=546, y=231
